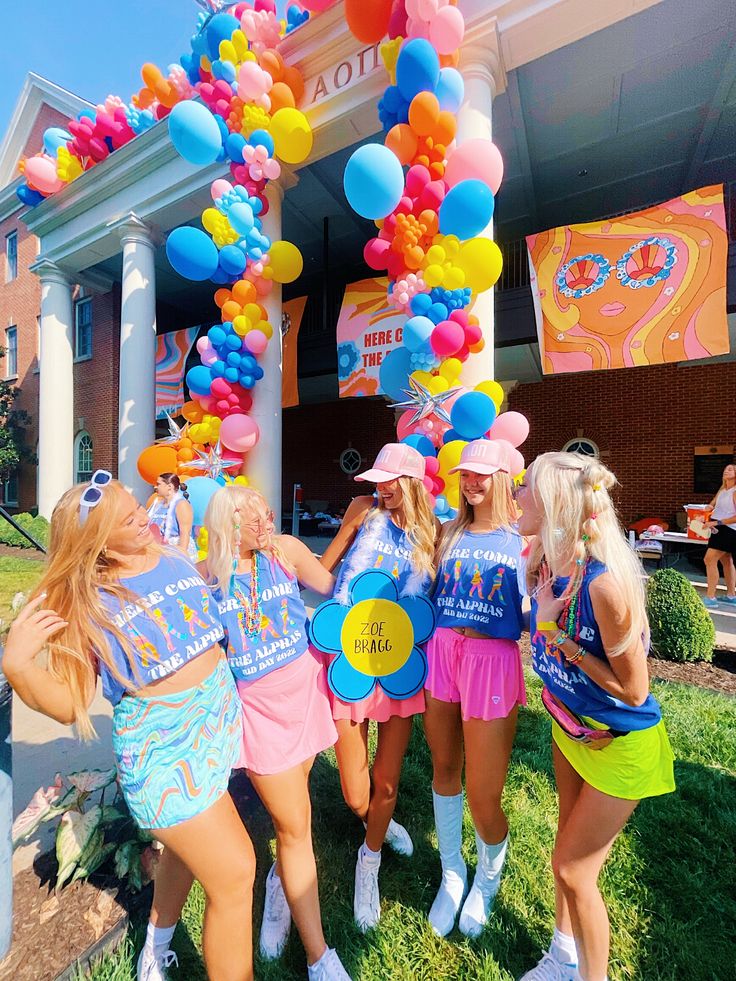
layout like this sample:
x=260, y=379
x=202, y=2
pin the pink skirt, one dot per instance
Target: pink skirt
x=483, y=674
x=287, y=717
x=378, y=707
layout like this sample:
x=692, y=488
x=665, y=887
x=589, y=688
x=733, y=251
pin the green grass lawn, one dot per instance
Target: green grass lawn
x=670, y=884
x=17, y=575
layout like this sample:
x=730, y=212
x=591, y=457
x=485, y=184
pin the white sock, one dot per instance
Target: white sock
x=158, y=939
x=563, y=948
x=368, y=856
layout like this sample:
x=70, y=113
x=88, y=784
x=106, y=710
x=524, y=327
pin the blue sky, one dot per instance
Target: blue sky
x=94, y=48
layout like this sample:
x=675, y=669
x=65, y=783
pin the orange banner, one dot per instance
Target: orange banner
x=291, y=319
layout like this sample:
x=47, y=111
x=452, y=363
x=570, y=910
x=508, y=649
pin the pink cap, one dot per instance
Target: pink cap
x=395, y=460
x=483, y=456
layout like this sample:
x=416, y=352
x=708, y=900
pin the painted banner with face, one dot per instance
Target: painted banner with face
x=642, y=289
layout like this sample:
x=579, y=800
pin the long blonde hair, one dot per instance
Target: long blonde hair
x=78, y=569
x=503, y=514
x=420, y=526
x=228, y=507
x=579, y=522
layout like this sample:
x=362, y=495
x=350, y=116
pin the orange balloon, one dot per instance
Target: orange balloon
x=368, y=19
x=272, y=62
x=155, y=460
x=192, y=411
x=450, y=61
x=293, y=78
x=184, y=455
x=423, y=113
x=230, y=310
x=151, y=75
x=145, y=98
x=402, y=142
x=445, y=128
x=281, y=97
x=431, y=221
x=244, y=292
x=221, y=297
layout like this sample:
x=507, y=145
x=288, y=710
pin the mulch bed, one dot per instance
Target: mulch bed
x=21, y=553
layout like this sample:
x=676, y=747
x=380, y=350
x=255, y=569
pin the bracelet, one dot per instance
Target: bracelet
x=549, y=626
x=560, y=639
x=577, y=656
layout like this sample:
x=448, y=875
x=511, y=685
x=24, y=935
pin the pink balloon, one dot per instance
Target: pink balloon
x=376, y=252
x=431, y=466
x=220, y=388
x=516, y=463
x=429, y=484
x=417, y=178
x=203, y=345
x=40, y=173
x=239, y=432
x=256, y=341
x=220, y=187
x=447, y=338
x=446, y=30
x=512, y=426
x=475, y=160
x=208, y=358
x=317, y=6
x=404, y=427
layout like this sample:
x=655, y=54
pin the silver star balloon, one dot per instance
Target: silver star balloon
x=176, y=432
x=425, y=403
x=216, y=6
x=212, y=462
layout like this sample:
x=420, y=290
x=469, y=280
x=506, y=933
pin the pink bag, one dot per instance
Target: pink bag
x=573, y=726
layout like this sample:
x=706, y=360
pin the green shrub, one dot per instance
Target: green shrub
x=682, y=629
x=38, y=527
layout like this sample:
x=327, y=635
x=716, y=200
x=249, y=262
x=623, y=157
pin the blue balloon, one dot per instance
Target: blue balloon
x=437, y=313
x=199, y=380
x=231, y=374
x=233, y=359
x=191, y=251
x=219, y=28
x=195, y=132
x=261, y=137
x=472, y=415
x=233, y=342
x=420, y=304
x=450, y=89
x=258, y=372
x=373, y=181
x=200, y=490
x=441, y=505
x=232, y=260
x=241, y=217
x=29, y=196
x=394, y=373
x=220, y=277
x=417, y=69
x=53, y=138
x=217, y=368
x=216, y=335
x=416, y=333
x=234, y=147
x=466, y=209
x=450, y=436
x=420, y=442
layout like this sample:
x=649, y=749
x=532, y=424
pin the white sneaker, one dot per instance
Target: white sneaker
x=276, y=921
x=367, y=901
x=152, y=967
x=477, y=907
x=328, y=968
x=550, y=969
x=398, y=839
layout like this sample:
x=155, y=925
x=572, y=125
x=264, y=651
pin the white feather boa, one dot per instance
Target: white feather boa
x=362, y=556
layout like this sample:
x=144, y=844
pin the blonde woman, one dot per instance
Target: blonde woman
x=286, y=712
x=475, y=683
x=115, y=604
x=589, y=646
x=722, y=546
x=394, y=531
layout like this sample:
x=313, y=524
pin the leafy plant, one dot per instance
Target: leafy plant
x=682, y=629
x=37, y=527
x=90, y=832
x=13, y=425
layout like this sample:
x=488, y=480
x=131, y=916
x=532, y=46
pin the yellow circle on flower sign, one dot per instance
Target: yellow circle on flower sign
x=377, y=637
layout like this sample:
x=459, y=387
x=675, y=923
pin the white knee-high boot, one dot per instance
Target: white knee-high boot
x=477, y=906
x=448, y=820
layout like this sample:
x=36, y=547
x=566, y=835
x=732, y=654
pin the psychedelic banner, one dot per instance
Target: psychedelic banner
x=172, y=351
x=368, y=328
x=291, y=319
x=647, y=288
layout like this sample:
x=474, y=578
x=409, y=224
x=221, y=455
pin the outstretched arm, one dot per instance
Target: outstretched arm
x=354, y=517
x=185, y=517
x=309, y=570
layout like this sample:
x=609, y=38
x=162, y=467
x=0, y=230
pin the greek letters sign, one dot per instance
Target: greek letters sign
x=343, y=75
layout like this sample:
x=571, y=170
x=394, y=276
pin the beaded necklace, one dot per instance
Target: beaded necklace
x=252, y=606
x=570, y=615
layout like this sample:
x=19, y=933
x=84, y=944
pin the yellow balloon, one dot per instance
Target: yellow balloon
x=449, y=455
x=241, y=325
x=481, y=261
x=265, y=326
x=452, y=491
x=454, y=278
x=423, y=377
x=433, y=275
x=493, y=390
x=292, y=135
x=438, y=384
x=436, y=255
x=450, y=369
x=253, y=312
x=211, y=219
x=286, y=262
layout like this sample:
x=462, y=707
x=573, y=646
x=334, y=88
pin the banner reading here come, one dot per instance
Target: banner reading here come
x=368, y=328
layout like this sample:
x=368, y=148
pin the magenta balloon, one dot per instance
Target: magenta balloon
x=376, y=253
x=220, y=388
x=475, y=160
x=317, y=6
x=447, y=338
x=239, y=432
x=512, y=426
x=404, y=427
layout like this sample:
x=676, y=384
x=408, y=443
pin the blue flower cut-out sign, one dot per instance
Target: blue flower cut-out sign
x=376, y=638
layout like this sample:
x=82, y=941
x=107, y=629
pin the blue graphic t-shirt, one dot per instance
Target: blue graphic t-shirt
x=173, y=618
x=478, y=584
x=380, y=544
x=281, y=635
x=570, y=684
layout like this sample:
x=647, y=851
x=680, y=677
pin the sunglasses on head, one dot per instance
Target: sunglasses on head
x=91, y=495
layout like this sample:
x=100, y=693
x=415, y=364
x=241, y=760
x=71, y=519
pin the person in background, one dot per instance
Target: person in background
x=590, y=637
x=722, y=545
x=395, y=531
x=475, y=683
x=172, y=514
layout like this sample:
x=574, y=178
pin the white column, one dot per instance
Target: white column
x=56, y=387
x=263, y=463
x=479, y=66
x=137, y=390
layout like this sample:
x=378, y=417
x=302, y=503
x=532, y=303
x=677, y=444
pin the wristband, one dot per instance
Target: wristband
x=560, y=639
x=549, y=626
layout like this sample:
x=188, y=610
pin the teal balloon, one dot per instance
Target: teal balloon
x=194, y=132
x=466, y=209
x=373, y=181
x=394, y=373
x=200, y=490
x=192, y=253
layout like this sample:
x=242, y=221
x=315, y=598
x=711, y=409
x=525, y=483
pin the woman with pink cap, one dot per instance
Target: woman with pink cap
x=475, y=683
x=393, y=530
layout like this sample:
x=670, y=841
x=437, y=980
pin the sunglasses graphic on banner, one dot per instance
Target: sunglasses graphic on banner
x=92, y=494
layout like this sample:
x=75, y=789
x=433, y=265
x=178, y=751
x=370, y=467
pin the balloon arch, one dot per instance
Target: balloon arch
x=430, y=199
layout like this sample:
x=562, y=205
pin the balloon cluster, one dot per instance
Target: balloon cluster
x=431, y=201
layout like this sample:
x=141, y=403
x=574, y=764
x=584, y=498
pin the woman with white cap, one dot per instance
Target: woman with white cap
x=475, y=683
x=393, y=530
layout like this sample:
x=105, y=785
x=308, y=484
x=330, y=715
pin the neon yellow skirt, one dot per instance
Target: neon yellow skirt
x=632, y=767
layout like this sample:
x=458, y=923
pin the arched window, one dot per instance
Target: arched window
x=582, y=445
x=83, y=469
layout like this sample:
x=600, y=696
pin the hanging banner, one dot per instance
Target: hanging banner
x=643, y=289
x=291, y=319
x=368, y=328
x=172, y=351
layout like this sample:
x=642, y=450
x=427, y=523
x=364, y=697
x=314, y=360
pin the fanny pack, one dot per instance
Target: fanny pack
x=574, y=727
